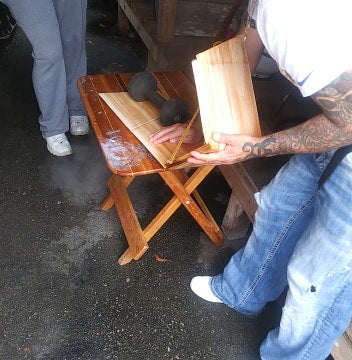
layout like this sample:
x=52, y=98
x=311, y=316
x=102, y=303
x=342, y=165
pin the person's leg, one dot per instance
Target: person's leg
x=3, y=12
x=318, y=304
x=71, y=16
x=38, y=20
x=257, y=273
x=7, y=23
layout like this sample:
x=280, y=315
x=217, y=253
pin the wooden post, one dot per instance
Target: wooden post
x=123, y=23
x=235, y=223
x=242, y=186
x=166, y=20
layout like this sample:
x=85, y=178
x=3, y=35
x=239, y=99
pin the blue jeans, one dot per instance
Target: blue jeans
x=56, y=30
x=302, y=238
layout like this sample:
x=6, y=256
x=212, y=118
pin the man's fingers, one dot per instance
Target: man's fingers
x=222, y=138
x=175, y=140
x=217, y=137
x=197, y=157
x=166, y=134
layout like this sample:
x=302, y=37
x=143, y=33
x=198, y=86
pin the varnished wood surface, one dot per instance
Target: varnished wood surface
x=124, y=153
x=128, y=218
x=143, y=119
x=127, y=157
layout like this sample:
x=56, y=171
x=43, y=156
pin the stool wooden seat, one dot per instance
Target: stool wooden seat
x=127, y=158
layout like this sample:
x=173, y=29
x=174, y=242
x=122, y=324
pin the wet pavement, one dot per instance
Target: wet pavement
x=63, y=295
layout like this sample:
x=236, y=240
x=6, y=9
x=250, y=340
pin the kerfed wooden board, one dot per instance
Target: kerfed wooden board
x=225, y=91
x=142, y=119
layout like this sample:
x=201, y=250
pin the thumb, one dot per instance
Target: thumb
x=220, y=138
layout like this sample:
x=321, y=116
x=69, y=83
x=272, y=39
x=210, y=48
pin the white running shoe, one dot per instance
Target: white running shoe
x=58, y=145
x=200, y=285
x=79, y=125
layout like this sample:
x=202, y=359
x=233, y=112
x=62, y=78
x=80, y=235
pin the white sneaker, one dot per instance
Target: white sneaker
x=200, y=285
x=79, y=125
x=58, y=145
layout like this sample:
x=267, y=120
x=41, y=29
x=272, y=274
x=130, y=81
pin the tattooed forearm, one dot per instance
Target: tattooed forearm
x=330, y=130
x=336, y=100
x=263, y=148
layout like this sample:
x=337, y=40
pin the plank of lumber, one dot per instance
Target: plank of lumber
x=225, y=91
x=142, y=119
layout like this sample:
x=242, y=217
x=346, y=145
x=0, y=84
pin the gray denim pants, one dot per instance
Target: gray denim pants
x=56, y=30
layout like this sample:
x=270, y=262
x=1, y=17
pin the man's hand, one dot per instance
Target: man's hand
x=327, y=131
x=237, y=148
x=174, y=132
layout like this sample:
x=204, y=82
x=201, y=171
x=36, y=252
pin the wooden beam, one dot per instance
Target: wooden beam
x=166, y=20
x=235, y=223
x=139, y=21
x=123, y=23
x=242, y=186
x=130, y=224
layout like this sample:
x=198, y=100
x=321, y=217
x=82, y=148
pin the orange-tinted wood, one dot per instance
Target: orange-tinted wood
x=127, y=157
x=123, y=152
x=134, y=234
x=189, y=184
x=191, y=206
x=108, y=203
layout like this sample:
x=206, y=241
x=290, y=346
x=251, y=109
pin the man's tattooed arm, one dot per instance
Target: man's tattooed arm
x=329, y=130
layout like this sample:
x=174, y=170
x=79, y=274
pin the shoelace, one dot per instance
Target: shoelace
x=78, y=121
x=60, y=140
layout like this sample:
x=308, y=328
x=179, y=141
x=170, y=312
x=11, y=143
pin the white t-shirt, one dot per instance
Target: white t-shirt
x=311, y=40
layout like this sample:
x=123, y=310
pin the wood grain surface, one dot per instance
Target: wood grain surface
x=225, y=91
x=124, y=153
x=142, y=119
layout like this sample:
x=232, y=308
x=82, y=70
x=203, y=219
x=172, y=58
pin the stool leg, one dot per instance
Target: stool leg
x=183, y=177
x=108, y=203
x=130, y=224
x=204, y=219
x=209, y=227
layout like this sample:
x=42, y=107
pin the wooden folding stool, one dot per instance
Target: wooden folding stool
x=127, y=158
x=123, y=126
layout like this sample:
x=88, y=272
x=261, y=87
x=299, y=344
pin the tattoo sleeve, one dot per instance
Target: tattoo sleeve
x=329, y=130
